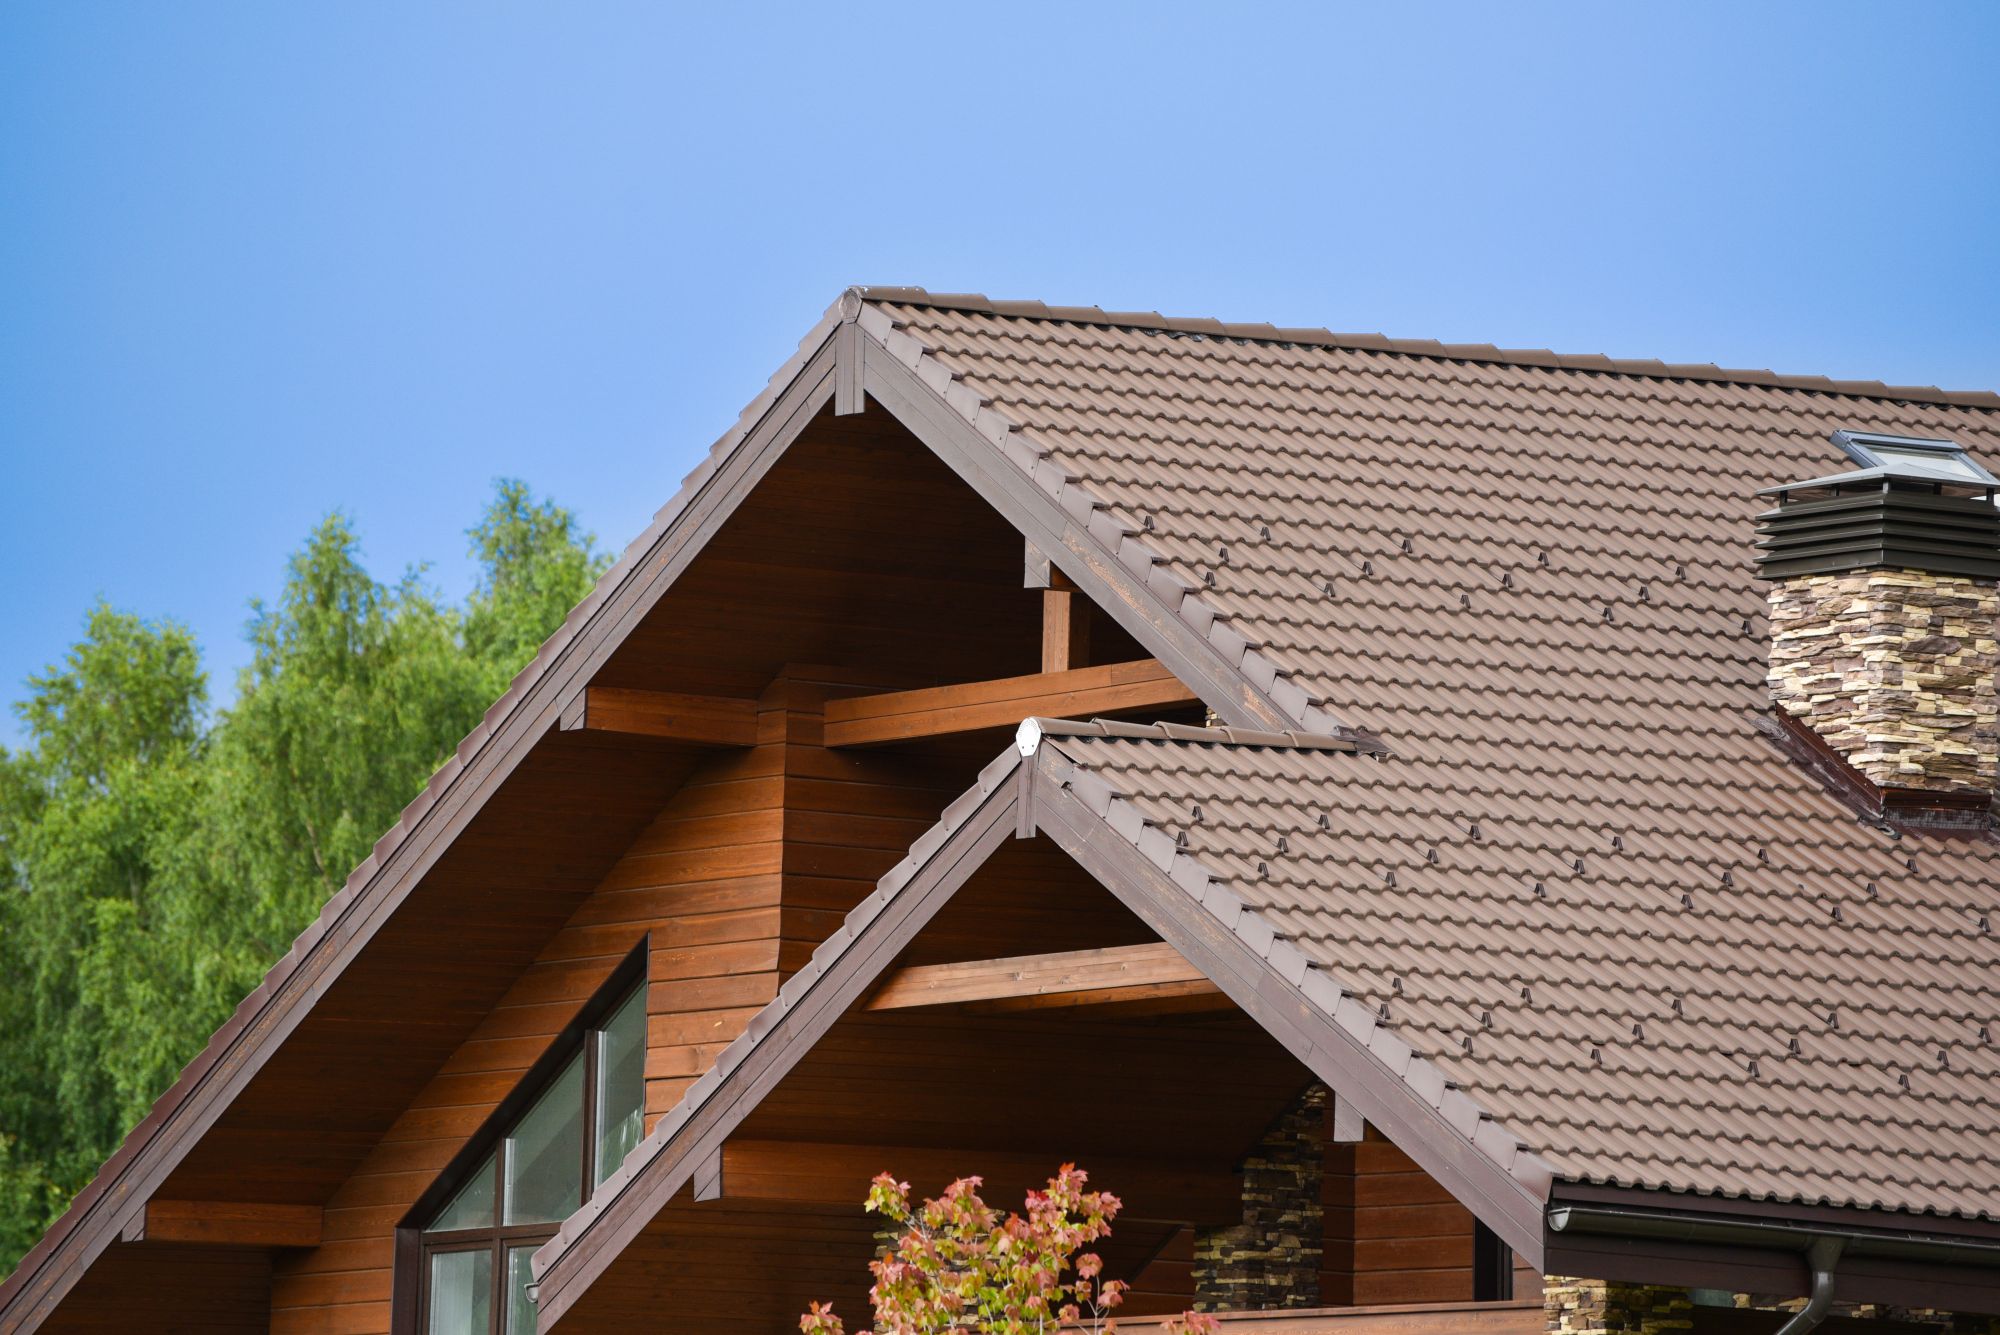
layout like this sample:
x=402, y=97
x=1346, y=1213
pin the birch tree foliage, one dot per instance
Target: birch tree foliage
x=157, y=856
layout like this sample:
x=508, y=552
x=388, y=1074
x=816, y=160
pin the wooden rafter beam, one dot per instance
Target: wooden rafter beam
x=940, y=711
x=1044, y=982
x=699, y=720
x=228, y=1223
x=800, y=1172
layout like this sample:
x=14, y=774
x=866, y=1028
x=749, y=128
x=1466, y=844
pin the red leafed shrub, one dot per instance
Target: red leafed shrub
x=959, y=1266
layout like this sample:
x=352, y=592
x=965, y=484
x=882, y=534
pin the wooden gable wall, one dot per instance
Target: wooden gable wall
x=735, y=882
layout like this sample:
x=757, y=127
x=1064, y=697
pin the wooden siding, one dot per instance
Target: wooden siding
x=1392, y=1232
x=739, y=877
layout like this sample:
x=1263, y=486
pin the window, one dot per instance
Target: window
x=538, y=1160
x=1492, y=1266
x=1944, y=459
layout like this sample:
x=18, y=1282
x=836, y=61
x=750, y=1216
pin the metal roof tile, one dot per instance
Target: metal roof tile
x=1478, y=513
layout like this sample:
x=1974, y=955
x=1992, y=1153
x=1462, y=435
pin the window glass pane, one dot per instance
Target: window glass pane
x=545, y=1154
x=473, y=1206
x=520, y=1273
x=461, y=1292
x=621, y=1083
x=1953, y=464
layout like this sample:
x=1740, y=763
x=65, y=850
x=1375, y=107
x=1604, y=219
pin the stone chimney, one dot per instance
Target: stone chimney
x=1883, y=619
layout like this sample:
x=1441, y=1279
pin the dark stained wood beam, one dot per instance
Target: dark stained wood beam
x=700, y=720
x=940, y=711
x=1046, y=982
x=801, y=1172
x=228, y=1223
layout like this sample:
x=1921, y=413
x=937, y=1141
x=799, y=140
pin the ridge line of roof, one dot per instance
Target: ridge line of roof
x=978, y=303
x=1347, y=741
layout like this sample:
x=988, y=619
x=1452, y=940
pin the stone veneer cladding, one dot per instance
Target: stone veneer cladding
x=1600, y=1307
x=1272, y=1259
x=1894, y=670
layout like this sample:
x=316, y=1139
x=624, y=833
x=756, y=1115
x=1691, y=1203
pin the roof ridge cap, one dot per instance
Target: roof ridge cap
x=1348, y=741
x=1652, y=368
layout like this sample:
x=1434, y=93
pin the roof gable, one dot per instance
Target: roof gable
x=830, y=369
x=1249, y=853
x=1330, y=1032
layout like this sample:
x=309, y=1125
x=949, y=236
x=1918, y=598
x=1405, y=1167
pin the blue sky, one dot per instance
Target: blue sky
x=258, y=262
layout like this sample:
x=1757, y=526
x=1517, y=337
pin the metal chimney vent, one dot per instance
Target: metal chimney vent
x=1921, y=508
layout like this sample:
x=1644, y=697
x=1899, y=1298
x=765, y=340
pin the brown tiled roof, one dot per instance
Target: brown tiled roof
x=1531, y=577
x=1749, y=1043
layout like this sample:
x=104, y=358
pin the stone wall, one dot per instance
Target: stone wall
x=1894, y=669
x=1271, y=1260
x=1598, y=1307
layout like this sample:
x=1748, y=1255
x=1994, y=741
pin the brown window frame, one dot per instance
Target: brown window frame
x=410, y=1287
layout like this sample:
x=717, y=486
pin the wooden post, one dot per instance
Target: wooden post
x=1065, y=626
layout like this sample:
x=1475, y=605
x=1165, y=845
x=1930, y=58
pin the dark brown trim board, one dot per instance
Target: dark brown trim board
x=228, y=1224
x=696, y=720
x=940, y=711
x=529, y=708
x=1062, y=979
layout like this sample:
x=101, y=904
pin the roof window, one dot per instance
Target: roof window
x=1946, y=460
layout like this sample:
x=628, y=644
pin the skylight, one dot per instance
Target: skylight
x=1944, y=459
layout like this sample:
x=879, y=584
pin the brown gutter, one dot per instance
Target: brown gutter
x=1885, y=1264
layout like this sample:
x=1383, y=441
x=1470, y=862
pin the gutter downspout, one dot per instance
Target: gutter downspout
x=1822, y=1255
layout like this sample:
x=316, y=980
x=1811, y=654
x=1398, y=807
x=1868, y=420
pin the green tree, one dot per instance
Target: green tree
x=151, y=869
x=535, y=566
x=92, y=813
x=357, y=690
